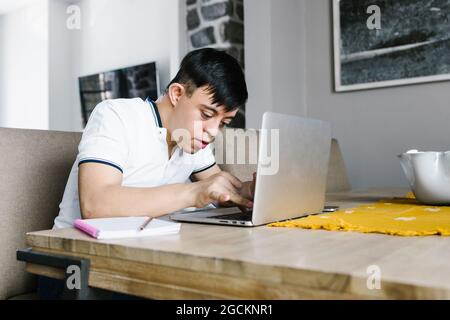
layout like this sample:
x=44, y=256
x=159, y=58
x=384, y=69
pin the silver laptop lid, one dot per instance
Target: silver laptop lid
x=292, y=168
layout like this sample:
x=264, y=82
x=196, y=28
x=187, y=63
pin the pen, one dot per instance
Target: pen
x=142, y=227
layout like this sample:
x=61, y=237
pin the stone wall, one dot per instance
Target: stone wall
x=218, y=24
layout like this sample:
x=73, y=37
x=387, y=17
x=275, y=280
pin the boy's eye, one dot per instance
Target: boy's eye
x=206, y=115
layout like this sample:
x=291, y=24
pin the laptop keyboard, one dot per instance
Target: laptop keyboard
x=235, y=216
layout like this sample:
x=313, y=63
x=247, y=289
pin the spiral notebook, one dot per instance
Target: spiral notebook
x=127, y=227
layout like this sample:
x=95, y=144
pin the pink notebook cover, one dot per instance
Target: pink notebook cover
x=90, y=230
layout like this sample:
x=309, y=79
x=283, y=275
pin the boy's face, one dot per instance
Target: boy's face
x=197, y=120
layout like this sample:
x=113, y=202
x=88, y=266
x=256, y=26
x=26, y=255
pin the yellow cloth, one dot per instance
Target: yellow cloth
x=398, y=216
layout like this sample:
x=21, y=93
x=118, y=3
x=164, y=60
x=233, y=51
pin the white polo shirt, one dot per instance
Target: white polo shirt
x=127, y=134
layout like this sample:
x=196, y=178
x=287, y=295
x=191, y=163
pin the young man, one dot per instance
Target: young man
x=136, y=157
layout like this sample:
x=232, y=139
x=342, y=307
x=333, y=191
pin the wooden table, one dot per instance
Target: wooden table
x=221, y=262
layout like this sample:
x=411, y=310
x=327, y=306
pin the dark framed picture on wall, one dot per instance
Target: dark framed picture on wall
x=130, y=82
x=382, y=43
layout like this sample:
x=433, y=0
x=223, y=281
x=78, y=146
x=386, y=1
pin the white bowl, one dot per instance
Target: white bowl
x=428, y=174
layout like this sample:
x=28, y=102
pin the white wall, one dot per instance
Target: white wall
x=121, y=33
x=274, y=58
x=60, y=69
x=41, y=59
x=258, y=59
x=373, y=126
x=23, y=65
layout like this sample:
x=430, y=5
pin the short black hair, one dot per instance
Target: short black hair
x=219, y=72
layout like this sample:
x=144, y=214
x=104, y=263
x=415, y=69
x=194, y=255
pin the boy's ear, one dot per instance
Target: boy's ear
x=175, y=92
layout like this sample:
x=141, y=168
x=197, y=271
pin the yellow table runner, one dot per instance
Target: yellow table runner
x=397, y=216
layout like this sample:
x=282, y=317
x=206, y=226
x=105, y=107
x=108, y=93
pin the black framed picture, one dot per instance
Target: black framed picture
x=131, y=82
x=380, y=43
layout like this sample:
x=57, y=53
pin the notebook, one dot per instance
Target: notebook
x=127, y=227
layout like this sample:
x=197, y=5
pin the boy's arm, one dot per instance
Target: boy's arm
x=101, y=194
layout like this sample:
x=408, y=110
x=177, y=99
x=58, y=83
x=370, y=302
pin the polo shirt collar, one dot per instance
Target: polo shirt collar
x=155, y=111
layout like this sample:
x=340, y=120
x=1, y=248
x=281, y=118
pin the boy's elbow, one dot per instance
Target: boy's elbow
x=90, y=208
x=87, y=211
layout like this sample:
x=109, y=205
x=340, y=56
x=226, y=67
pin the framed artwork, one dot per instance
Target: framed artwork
x=382, y=43
x=130, y=82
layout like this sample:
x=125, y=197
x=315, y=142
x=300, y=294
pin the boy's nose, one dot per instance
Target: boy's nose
x=212, y=129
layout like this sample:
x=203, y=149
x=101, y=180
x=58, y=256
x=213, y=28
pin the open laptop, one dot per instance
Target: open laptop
x=294, y=188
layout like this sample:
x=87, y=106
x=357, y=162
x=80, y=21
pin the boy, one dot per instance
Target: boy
x=136, y=157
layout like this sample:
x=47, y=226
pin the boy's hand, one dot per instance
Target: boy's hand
x=248, y=188
x=222, y=188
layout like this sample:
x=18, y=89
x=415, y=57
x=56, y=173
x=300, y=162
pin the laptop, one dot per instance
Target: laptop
x=292, y=188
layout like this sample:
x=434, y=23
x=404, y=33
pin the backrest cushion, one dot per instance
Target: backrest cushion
x=34, y=168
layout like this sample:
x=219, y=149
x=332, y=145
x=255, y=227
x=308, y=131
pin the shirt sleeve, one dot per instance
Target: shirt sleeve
x=204, y=160
x=104, y=138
